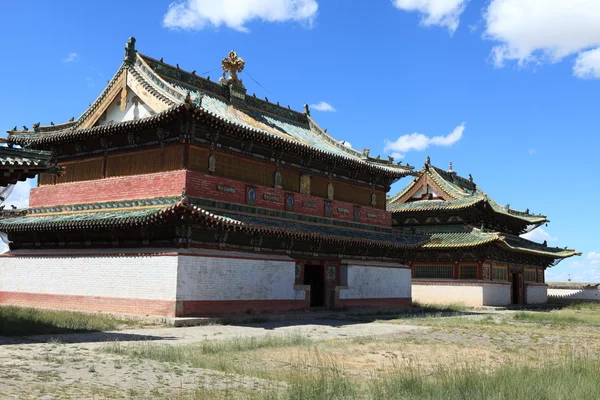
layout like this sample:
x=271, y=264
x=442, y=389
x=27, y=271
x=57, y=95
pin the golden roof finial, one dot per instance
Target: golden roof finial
x=233, y=64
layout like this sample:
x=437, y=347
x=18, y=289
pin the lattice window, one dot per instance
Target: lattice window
x=244, y=170
x=81, y=171
x=173, y=158
x=198, y=159
x=530, y=275
x=133, y=164
x=433, y=271
x=499, y=274
x=468, y=272
x=46, y=179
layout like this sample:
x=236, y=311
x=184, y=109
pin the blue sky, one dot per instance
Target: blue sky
x=508, y=90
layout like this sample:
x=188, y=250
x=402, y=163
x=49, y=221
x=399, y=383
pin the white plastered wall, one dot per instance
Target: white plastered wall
x=575, y=294
x=537, y=294
x=213, y=275
x=496, y=294
x=428, y=293
x=134, y=110
x=123, y=276
x=377, y=281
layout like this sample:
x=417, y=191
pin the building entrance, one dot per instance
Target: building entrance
x=515, y=289
x=314, y=275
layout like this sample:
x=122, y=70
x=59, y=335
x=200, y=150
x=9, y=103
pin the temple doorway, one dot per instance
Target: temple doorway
x=314, y=275
x=515, y=289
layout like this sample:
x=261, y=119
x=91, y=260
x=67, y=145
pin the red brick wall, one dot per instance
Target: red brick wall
x=128, y=187
x=197, y=185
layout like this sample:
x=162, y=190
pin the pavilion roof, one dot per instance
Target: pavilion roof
x=465, y=236
x=459, y=192
x=111, y=215
x=171, y=87
x=20, y=164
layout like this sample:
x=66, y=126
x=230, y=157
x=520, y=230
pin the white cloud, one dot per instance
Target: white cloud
x=582, y=270
x=532, y=150
x=418, y=142
x=323, y=106
x=234, y=14
x=347, y=144
x=19, y=197
x=72, y=57
x=444, y=13
x=539, y=235
x=587, y=65
x=543, y=31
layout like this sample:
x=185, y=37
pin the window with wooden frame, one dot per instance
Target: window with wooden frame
x=468, y=272
x=530, y=275
x=433, y=272
x=499, y=274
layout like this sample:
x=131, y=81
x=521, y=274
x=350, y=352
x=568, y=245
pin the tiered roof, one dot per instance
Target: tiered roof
x=457, y=193
x=465, y=236
x=439, y=194
x=21, y=164
x=153, y=212
x=169, y=90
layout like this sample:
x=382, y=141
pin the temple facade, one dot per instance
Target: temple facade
x=182, y=197
x=475, y=255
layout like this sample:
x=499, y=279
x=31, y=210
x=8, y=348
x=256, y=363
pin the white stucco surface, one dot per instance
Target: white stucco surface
x=376, y=282
x=448, y=294
x=575, y=294
x=134, y=110
x=496, y=294
x=537, y=294
x=217, y=278
x=143, y=277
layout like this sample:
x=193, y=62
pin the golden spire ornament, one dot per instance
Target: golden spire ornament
x=232, y=64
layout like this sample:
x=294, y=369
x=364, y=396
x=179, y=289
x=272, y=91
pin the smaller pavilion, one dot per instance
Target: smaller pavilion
x=475, y=255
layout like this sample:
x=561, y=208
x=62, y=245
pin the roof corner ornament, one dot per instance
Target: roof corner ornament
x=450, y=168
x=130, y=51
x=365, y=153
x=428, y=160
x=232, y=64
x=306, y=110
x=470, y=178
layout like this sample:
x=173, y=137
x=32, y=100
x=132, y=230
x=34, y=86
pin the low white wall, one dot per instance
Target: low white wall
x=444, y=293
x=377, y=281
x=222, y=275
x=575, y=294
x=537, y=294
x=496, y=294
x=135, y=276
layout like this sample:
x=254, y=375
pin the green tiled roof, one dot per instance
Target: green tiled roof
x=465, y=236
x=171, y=85
x=102, y=218
x=443, y=236
x=464, y=194
x=20, y=164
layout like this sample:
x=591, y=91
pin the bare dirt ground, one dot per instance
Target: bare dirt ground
x=78, y=365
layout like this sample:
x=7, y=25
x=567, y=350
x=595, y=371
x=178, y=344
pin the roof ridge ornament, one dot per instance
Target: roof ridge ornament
x=232, y=64
x=130, y=51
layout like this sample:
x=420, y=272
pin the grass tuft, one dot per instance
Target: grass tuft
x=24, y=321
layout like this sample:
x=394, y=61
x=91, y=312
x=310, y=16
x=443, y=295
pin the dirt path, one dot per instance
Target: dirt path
x=70, y=365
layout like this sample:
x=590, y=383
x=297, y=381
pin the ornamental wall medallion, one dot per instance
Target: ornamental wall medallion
x=212, y=163
x=305, y=184
x=330, y=191
x=328, y=209
x=278, y=180
x=331, y=273
x=251, y=196
x=356, y=213
x=289, y=202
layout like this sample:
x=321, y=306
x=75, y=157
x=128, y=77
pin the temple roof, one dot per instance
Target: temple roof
x=456, y=193
x=113, y=215
x=21, y=164
x=465, y=236
x=165, y=88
